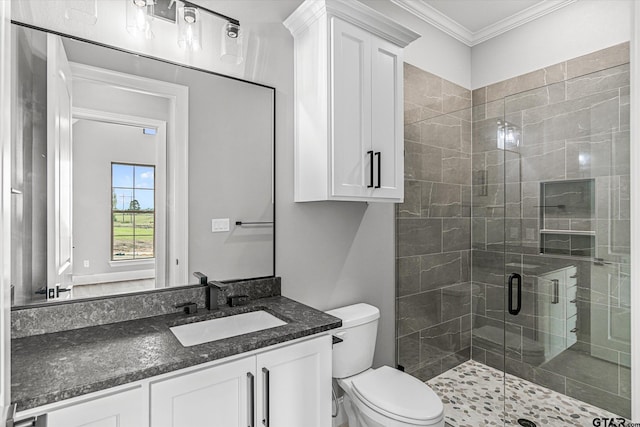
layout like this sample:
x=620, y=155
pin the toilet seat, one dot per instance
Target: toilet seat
x=398, y=396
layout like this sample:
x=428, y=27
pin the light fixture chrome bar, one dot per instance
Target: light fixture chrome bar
x=212, y=12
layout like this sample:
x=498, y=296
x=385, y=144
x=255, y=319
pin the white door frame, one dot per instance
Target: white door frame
x=161, y=267
x=177, y=157
x=5, y=207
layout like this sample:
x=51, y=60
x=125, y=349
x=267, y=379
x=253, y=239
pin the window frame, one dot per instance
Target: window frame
x=132, y=212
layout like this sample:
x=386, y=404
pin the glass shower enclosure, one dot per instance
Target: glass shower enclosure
x=550, y=254
x=514, y=254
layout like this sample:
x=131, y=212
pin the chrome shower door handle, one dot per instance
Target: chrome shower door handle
x=265, y=397
x=513, y=277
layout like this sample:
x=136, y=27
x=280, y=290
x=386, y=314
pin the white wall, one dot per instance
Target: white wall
x=95, y=146
x=328, y=254
x=435, y=52
x=580, y=28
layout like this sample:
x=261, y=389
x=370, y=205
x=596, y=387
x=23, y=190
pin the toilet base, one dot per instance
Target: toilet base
x=364, y=416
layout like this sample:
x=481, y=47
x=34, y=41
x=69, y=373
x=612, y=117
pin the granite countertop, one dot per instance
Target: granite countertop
x=52, y=367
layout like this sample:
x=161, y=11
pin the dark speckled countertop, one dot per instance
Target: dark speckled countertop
x=51, y=367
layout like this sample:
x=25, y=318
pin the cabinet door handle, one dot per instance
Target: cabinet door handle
x=370, y=154
x=265, y=397
x=250, y=402
x=379, y=155
x=515, y=311
x=556, y=291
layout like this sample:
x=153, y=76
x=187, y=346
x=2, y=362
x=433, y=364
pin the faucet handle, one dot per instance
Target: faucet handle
x=188, y=307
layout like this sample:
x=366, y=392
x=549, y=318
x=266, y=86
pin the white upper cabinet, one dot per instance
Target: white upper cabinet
x=349, y=102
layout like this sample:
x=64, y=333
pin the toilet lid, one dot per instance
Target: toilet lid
x=399, y=394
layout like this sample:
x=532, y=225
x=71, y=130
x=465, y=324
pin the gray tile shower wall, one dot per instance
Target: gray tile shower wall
x=433, y=234
x=573, y=158
x=44, y=319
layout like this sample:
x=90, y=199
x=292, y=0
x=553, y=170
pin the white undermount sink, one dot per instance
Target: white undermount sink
x=224, y=327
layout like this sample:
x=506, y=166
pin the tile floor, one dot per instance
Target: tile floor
x=473, y=396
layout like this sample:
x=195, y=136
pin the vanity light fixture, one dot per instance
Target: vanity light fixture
x=189, y=27
x=139, y=17
x=189, y=30
x=188, y=17
x=231, y=43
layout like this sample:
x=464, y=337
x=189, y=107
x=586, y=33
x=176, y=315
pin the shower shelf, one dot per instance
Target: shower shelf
x=569, y=232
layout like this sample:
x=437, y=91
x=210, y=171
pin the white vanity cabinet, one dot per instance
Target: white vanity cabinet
x=286, y=385
x=122, y=409
x=294, y=385
x=217, y=396
x=349, y=131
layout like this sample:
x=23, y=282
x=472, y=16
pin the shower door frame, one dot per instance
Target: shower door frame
x=634, y=257
x=635, y=213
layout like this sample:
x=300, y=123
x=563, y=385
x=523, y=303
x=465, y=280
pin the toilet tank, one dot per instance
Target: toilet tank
x=358, y=332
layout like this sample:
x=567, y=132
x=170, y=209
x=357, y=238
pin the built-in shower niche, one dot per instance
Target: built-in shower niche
x=567, y=218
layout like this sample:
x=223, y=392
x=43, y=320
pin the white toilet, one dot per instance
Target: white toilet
x=382, y=397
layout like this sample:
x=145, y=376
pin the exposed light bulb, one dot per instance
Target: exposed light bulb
x=189, y=28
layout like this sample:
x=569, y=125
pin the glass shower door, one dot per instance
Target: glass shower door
x=564, y=150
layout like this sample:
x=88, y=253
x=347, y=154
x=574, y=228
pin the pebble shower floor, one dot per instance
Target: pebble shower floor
x=472, y=394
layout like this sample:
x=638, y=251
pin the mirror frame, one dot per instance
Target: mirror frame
x=176, y=64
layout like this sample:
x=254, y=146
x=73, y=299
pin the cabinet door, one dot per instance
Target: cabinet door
x=123, y=409
x=294, y=385
x=387, y=119
x=350, y=107
x=213, y=397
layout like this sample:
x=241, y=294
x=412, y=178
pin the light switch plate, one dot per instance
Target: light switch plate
x=219, y=225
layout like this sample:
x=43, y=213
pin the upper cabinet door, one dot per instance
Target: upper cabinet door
x=387, y=130
x=350, y=110
x=349, y=136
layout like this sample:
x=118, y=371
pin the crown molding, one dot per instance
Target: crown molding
x=433, y=16
x=354, y=12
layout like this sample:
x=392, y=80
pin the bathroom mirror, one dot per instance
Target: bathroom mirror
x=130, y=173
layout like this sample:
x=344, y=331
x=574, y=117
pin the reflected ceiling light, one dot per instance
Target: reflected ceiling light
x=139, y=17
x=508, y=135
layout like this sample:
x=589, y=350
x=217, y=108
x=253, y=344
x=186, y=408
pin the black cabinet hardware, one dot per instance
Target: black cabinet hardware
x=250, y=401
x=265, y=397
x=370, y=154
x=379, y=155
x=556, y=291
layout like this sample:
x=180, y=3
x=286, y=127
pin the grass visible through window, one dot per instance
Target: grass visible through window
x=132, y=211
